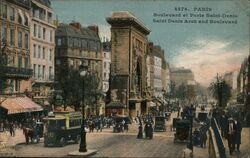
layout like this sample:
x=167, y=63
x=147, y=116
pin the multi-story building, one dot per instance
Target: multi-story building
x=231, y=80
x=42, y=49
x=76, y=45
x=181, y=76
x=128, y=64
x=157, y=71
x=15, y=21
x=242, y=82
x=106, y=49
x=15, y=67
x=167, y=89
x=243, y=88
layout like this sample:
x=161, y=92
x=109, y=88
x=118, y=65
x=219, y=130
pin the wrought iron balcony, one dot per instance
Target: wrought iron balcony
x=7, y=71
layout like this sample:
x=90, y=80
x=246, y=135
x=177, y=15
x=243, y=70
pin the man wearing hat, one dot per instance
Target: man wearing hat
x=230, y=134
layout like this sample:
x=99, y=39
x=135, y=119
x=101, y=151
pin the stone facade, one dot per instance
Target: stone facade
x=15, y=23
x=128, y=62
x=42, y=49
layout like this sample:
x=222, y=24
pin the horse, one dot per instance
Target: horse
x=28, y=133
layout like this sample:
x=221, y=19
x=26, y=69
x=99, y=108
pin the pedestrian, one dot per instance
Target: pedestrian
x=122, y=125
x=146, y=130
x=204, y=137
x=140, y=134
x=223, y=123
x=11, y=129
x=230, y=130
x=126, y=127
x=238, y=134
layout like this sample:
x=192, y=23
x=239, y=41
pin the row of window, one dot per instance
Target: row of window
x=37, y=52
x=42, y=14
x=9, y=13
x=41, y=32
x=78, y=42
x=8, y=35
x=22, y=62
x=37, y=69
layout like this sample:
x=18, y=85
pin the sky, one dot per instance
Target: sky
x=207, y=49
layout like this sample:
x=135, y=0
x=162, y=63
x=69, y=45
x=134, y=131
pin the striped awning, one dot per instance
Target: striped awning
x=19, y=105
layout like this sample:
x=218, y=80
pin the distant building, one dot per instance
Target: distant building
x=15, y=71
x=42, y=49
x=106, y=50
x=242, y=82
x=231, y=80
x=181, y=76
x=157, y=71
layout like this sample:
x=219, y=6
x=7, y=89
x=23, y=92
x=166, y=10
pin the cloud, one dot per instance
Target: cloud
x=206, y=58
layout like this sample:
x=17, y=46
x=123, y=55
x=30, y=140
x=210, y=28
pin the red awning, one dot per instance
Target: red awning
x=20, y=105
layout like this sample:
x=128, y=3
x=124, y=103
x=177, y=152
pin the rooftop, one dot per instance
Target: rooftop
x=68, y=30
x=121, y=18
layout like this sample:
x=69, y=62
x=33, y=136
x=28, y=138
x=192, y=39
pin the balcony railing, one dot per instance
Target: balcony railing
x=16, y=72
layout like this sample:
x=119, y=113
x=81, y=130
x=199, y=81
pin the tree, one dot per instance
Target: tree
x=72, y=90
x=3, y=62
x=220, y=90
x=186, y=92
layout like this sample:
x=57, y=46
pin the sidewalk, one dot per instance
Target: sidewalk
x=244, y=147
x=8, y=143
x=200, y=152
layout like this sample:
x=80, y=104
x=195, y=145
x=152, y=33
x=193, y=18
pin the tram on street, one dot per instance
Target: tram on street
x=62, y=127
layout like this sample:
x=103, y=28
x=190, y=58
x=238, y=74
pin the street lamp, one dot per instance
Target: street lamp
x=191, y=112
x=82, y=148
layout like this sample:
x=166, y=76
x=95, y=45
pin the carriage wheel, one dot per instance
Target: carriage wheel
x=62, y=142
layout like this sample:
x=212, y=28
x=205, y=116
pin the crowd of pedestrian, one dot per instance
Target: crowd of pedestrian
x=148, y=127
x=9, y=126
x=230, y=129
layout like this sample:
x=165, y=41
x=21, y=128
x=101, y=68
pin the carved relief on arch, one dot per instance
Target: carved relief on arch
x=137, y=73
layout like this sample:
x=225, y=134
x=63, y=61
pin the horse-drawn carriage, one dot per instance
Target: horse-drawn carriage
x=121, y=123
x=182, y=131
x=33, y=131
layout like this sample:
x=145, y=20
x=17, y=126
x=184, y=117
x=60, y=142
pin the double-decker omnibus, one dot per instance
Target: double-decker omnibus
x=62, y=127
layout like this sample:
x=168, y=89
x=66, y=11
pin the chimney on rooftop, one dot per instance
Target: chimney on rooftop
x=94, y=28
x=75, y=24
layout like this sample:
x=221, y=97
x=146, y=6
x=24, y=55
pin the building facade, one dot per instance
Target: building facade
x=106, y=49
x=242, y=82
x=42, y=49
x=243, y=89
x=181, y=76
x=128, y=63
x=15, y=71
x=77, y=45
x=157, y=71
x=231, y=79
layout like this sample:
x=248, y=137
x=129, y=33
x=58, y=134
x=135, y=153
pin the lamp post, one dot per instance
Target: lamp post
x=191, y=117
x=219, y=91
x=82, y=147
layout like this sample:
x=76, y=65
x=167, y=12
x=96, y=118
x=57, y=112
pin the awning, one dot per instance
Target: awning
x=20, y=105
